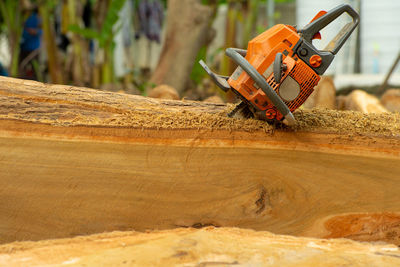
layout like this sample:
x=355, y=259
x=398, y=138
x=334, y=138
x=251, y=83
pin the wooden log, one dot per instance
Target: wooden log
x=164, y=92
x=324, y=95
x=391, y=100
x=361, y=101
x=78, y=161
x=194, y=247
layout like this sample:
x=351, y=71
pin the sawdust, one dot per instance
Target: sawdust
x=316, y=120
x=348, y=122
x=188, y=120
x=75, y=106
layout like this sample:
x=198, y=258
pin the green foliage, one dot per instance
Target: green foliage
x=198, y=72
x=2, y=22
x=38, y=72
x=87, y=33
x=106, y=34
x=221, y=2
x=51, y=4
x=10, y=11
x=105, y=38
x=213, y=2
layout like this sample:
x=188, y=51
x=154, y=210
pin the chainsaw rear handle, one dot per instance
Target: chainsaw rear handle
x=256, y=76
x=314, y=27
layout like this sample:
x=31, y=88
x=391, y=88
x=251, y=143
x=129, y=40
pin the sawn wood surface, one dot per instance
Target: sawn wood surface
x=77, y=161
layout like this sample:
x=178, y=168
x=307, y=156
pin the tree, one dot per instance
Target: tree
x=106, y=19
x=187, y=31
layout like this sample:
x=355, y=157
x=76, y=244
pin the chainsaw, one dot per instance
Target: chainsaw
x=281, y=67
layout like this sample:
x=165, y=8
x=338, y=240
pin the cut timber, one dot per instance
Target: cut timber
x=361, y=101
x=78, y=161
x=391, y=100
x=164, y=92
x=193, y=247
x=324, y=95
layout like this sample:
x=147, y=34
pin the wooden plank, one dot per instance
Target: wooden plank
x=192, y=247
x=77, y=161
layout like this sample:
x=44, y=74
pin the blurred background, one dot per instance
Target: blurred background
x=152, y=47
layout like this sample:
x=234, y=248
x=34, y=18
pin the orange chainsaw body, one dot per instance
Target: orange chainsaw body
x=281, y=67
x=261, y=51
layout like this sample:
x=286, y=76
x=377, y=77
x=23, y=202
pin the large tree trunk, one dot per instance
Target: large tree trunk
x=198, y=247
x=187, y=26
x=79, y=161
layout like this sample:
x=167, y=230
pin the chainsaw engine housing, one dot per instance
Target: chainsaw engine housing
x=281, y=67
x=298, y=79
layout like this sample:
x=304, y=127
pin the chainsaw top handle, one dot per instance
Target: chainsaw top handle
x=310, y=30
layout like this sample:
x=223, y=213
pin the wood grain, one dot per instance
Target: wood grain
x=63, y=175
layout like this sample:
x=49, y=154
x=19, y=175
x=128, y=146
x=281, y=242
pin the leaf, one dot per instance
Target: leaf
x=112, y=17
x=87, y=33
x=107, y=32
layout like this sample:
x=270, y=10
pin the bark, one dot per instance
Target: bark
x=187, y=26
x=198, y=247
x=77, y=161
